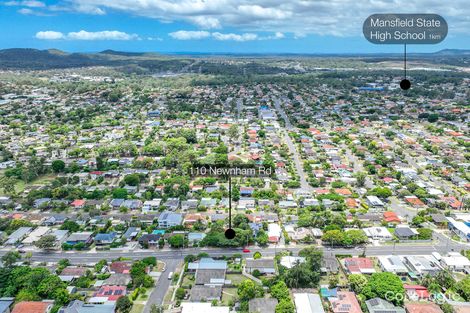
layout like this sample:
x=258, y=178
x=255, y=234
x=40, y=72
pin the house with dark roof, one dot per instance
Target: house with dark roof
x=405, y=232
x=263, y=265
x=203, y=293
x=80, y=237
x=131, y=233
x=78, y=306
x=105, y=238
x=378, y=305
x=262, y=305
x=169, y=219
x=149, y=240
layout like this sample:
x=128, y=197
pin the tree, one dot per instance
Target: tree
x=463, y=288
x=233, y=131
x=46, y=242
x=333, y=237
x=180, y=293
x=58, y=166
x=302, y=276
x=10, y=258
x=432, y=118
x=176, y=241
x=357, y=282
x=424, y=233
x=120, y=193
x=248, y=290
x=383, y=285
x=356, y=236
x=132, y=179
x=257, y=255
x=280, y=291
x=285, y=306
x=123, y=304
x=8, y=185
x=381, y=192
x=151, y=260
x=262, y=238
x=360, y=178
x=71, y=226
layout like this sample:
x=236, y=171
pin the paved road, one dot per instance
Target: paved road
x=358, y=166
x=293, y=150
x=158, y=293
x=437, y=181
x=402, y=210
x=443, y=245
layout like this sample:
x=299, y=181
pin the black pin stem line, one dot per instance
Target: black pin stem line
x=405, y=83
x=230, y=202
x=405, y=61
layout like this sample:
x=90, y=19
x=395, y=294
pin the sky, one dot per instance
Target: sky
x=216, y=26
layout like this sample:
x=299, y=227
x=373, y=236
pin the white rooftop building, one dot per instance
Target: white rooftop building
x=378, y=233
x=291, y=261
x=392, y=264
x=192, y=307
x=308, y=303
x=454, y=261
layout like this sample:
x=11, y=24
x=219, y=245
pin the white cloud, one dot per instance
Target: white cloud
x=49, y=35
x=264, y=13
x=235, y=37
x=189, y=35
x=103, y=35
x=324, y=17
x=26, y=11
x=206, y=22
x=26, y=3
x=196, y=35
x=85, y=35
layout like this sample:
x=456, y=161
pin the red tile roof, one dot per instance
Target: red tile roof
x=111, y=292
x=345, y=302
x=32, y=307
x=422, y=308
x=391, y=217
x=356, y=265
x=77, y=203
x=343, y=191
x=120, y=267
x=414, y=201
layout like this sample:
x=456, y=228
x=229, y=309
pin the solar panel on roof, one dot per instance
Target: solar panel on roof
x=118, y=292
x=374, y=302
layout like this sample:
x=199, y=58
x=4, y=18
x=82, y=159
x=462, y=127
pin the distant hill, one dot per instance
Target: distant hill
x=148, y=62
x=452, y=52
x=45, y=59
x=122, y=53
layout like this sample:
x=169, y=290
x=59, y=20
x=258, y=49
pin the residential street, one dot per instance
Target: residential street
x=293, y=150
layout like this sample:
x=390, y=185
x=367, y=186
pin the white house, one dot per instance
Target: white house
x=378, y=233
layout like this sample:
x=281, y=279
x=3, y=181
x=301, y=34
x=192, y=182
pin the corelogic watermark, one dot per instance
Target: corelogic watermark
x=436, y=297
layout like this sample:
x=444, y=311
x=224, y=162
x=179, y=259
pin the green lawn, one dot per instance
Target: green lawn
x=228, y=294
x=20, y=185
x=236, y=278
x=137, y=308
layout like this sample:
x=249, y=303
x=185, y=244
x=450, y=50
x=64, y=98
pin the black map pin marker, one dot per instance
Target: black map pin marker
x=405, y=84
x=230, y=233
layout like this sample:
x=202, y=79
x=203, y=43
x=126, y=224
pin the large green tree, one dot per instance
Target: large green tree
x=383, y=285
